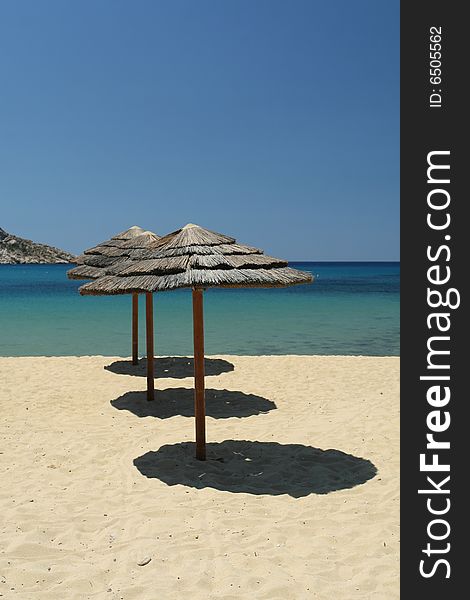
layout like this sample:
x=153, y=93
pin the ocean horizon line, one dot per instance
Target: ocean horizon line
x=323, y=262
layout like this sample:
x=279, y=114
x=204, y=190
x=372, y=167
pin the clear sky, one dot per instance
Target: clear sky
x=276, y=122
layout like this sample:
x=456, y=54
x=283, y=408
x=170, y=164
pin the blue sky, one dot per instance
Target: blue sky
x=276, y=122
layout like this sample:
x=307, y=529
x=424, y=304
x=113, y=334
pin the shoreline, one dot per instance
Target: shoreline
x=116, y=356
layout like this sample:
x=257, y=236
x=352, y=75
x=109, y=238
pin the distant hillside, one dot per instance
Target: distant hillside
x=15, y=250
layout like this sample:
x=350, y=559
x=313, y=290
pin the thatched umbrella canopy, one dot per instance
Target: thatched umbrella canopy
x=197, y=258
x=104, y=258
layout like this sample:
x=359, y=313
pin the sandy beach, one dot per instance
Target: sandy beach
x=101, y=496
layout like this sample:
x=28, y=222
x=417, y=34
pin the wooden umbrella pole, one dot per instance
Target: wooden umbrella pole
x=135, y=329
x=150, y=370
x=199, y=399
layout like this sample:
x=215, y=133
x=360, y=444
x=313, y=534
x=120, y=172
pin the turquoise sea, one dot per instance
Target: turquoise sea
x=351, y=308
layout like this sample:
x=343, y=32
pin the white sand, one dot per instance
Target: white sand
x=272, y=518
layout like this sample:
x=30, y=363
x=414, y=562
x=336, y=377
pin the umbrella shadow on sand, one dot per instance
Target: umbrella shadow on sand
x=176, y=367
x=220, y=404
x=254, y=467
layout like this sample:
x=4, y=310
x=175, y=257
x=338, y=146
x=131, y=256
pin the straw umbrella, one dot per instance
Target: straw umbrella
x=103, y=259
x=194, y=257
